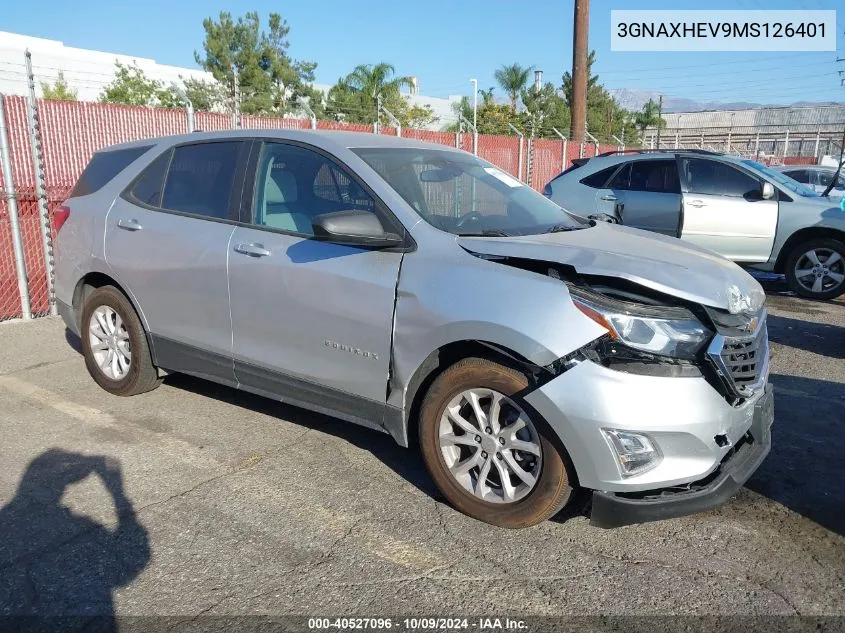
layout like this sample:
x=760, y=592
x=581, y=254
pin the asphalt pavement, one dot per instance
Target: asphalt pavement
x=196, y=499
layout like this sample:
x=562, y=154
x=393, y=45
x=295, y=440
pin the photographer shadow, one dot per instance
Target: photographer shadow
x=58, y=569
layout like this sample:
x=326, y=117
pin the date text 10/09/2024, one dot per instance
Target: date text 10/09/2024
x=417, y=624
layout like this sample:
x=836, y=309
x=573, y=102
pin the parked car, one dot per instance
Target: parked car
x=815, y=177
x=736, y=207
x=420, y=291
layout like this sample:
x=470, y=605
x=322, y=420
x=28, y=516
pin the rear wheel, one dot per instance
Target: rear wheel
x=114, y=344
x=489, y=453
x=816, y=269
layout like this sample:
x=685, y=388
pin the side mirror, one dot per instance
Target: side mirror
x=768, y=191
x=355, y=228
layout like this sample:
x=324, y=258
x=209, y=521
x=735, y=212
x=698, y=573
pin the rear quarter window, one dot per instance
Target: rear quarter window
x=104, y=166
x=599, y=179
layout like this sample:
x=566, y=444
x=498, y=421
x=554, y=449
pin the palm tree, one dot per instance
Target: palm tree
x=649, y=116
x=512, y=80
x=375, y=79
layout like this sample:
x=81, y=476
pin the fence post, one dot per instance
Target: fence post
x=521, y=136
x=393, y=120
x=12, y=205
x=40, y=187
x=529, y=164
x=757, y=145
x=818, y=139
x=189, y=114
x=786, y=143
x=302, y=104
x=563, y=156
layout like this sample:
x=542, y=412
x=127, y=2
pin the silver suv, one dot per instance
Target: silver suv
x=745, y=211
x=419, y=291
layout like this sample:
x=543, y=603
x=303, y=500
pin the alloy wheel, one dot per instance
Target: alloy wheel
x=109, y=341
x=820, y=270
x=490, y=446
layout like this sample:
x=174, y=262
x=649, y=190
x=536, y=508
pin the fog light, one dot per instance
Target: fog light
x=635, y=452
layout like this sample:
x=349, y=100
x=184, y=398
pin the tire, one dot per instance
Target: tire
x=823, y=248
x=109, y=304
x=551, y=490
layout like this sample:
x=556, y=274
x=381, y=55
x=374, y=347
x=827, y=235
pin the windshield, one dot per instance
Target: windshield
x=781, y=179
x=464, y=195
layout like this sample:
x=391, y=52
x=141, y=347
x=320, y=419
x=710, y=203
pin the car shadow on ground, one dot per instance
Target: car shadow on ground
x=819, y=338
x=405, y=462
x=803, y=471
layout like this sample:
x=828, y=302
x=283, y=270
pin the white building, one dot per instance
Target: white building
x=89, y=71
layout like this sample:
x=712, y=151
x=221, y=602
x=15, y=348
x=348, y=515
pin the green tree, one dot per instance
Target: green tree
x=416, y=116
x=205, y=96
x=240, y=52
x=493, y=117
x=649, y=116
x=605, y=118
x=544, y=109
x=355, y=97
x=59, y=91
x=131, y=86
x=592, y=80
x=512, y=80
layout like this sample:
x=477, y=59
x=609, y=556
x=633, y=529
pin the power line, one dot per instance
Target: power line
x=707, y=65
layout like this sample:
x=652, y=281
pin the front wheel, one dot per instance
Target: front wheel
x=489, y=453
x=816, y=269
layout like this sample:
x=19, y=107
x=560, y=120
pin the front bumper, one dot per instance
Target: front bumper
x=617, y=509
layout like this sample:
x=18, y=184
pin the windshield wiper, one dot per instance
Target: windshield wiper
x=485, y=233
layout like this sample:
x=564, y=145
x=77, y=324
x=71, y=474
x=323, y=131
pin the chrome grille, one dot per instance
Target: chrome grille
x=742, y=356
x=742, y=361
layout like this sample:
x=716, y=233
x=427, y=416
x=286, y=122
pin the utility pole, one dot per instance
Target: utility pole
x=579, y=71
x=659, y=118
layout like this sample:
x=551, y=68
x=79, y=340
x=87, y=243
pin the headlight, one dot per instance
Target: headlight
x=664, y=331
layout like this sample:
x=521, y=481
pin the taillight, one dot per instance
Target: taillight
x=60, y=216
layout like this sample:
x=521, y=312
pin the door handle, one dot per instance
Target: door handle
x=129, y=224
x=609, y=198
x=697, y=204
x=253, y=250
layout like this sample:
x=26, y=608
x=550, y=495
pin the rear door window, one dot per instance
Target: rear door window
x=200, y=177
x=104, y=166
x=622, y=179
x=598, y=179
x=657, y=176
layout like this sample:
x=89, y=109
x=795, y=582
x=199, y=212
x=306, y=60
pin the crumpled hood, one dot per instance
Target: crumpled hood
x=656, y=261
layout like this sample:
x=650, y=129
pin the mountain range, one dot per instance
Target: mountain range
x=632, y=99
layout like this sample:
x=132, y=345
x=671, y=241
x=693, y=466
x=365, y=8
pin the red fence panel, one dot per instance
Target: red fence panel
x=251, y=121
x=502, y=151
x=347, y=127
x=212, y=121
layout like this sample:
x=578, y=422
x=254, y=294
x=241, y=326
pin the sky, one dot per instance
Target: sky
x=446, y=42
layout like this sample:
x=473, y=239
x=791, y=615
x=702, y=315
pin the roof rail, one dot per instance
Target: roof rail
x=662, y=150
